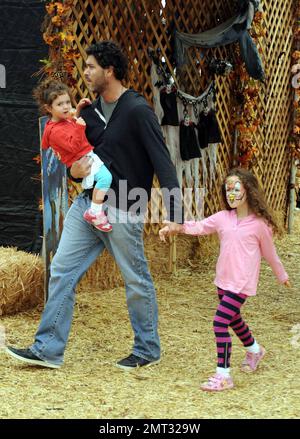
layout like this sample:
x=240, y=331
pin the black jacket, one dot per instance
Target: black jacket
x=133, y=149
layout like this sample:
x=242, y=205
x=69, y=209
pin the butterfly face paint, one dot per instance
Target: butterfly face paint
x=235, y=192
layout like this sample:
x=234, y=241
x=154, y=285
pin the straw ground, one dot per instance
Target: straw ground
x=90, y=386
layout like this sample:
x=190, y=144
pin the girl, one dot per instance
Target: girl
x=66, y=136
x=245, y=232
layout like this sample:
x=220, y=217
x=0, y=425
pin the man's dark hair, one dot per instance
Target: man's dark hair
x=108, y=53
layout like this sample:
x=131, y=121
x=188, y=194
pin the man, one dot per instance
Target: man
x=127, y=137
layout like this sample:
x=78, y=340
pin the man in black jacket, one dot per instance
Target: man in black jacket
x=127, y=137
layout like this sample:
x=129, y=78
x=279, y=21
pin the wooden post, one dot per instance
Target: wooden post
x=172, y=255
x=295, y=84
x=235, y=146
x=236, y=140
x=292, y=197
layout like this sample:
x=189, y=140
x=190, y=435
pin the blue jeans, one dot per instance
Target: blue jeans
x=79, y=246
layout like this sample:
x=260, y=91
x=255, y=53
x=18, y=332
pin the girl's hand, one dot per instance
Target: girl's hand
x=170, y=229
x=80, y=121
x=163, y=233
x=81, y=104
x=287, y=284
x=72, y=112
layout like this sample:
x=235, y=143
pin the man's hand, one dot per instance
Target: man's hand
x=170, y=229
x=81, y=104
x=81, y=168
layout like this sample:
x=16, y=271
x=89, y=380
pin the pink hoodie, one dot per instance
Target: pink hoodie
x=242, y=244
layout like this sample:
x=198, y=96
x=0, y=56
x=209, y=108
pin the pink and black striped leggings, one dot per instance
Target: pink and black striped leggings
x=228, y=314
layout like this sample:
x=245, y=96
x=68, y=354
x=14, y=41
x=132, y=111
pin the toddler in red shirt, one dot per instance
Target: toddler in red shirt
x=65, y=134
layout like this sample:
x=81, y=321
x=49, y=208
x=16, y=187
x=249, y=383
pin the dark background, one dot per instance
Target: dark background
x=21, y=48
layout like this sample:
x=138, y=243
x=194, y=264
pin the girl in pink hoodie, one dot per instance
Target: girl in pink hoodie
x=245, y=231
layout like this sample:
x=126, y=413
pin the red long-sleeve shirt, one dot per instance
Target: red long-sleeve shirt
x=67, y=138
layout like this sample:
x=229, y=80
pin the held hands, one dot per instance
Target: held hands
x=81, y=104
x=170, y=229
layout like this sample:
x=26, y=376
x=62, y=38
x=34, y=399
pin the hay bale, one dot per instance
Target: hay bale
x=102, y=275
x=22, y=274
x=157, y=253
x=21, y=280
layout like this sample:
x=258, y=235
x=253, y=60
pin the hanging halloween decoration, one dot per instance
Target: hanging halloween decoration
x=236, y=29
x=220, y=67
x=189, y=125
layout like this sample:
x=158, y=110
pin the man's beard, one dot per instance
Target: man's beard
x=100, y=88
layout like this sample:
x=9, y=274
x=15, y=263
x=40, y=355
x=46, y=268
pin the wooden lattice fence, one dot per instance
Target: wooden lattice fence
x=137, y=25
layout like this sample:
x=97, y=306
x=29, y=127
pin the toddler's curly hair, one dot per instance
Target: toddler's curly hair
x=47, y=91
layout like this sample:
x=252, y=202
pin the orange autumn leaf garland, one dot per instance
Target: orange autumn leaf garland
x=294, y=140
x=57, y=33
x=245, y=102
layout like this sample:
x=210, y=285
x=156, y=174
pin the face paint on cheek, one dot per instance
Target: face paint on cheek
x=231, y=198
x=235, y=202
x=235, y=193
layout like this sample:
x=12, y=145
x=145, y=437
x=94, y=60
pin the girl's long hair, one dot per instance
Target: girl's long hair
x=255, y=197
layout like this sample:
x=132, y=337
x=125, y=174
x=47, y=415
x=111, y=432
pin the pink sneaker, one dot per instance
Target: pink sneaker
x=217, y=383
x=251, y=361
x=98, y=220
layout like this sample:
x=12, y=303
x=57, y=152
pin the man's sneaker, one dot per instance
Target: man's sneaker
x=98, y=220
x=28, y=357
x=133, y=362
x=217, y=383
x=251, y=361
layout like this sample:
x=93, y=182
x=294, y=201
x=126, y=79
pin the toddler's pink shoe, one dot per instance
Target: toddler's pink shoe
x=217, y=383
x=98, y=220
x=251, y=361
